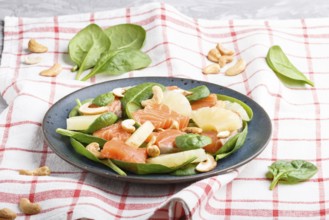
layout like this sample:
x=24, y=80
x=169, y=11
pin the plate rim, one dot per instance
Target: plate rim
x=150, y=178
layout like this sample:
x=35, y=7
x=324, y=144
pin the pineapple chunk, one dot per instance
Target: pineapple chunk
x=177, y=102
x=216, y=118
x=80, y=123
x=140, y=135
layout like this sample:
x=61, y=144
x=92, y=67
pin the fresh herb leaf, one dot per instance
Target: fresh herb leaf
x=125, y=36
x=233, y=144
x=198, y=92
x=102, y=121
x=120, y=61
x=82, y=137
x=280, y=64
x=290, y=172
x=192, y=141
x=86, y=47
x=187, y=170
x=104, y=99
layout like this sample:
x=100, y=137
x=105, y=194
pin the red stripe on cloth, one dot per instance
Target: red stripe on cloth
x=122, y=204
x=228, y=201
x=237, y=50
x=76, y=195
x=165, y=39
x=323, y=211
x=20, y=123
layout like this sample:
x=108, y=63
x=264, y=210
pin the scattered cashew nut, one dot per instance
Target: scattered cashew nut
x=224, y=51
x=31, y=60
x=41, y=171
x=207, y=165
x=157, y=97
x=223, y=60
x=153, y=150
x=211, y=69
x=119, y=92
x=85, y=109
x=36, y=47
x=213, y=55
x=237, y=68
x=29, y=208
x=193, y=130
x=128, y=125
x=53, y=71
x=93, y=148
x=7, y=214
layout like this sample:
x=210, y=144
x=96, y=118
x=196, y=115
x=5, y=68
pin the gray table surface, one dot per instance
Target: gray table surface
x=214, y=9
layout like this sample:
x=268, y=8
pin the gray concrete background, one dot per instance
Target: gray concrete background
x=207, y=9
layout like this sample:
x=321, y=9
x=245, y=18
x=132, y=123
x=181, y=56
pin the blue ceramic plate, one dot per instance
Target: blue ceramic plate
x=259, y=131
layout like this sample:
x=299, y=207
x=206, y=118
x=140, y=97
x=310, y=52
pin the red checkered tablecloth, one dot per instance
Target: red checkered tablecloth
x=178, y=46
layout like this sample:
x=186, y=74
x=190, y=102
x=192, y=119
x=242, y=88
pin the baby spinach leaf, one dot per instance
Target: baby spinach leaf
x=82, y=137
x=75, y=109
x=80, y=149
x=139, y=93
x=244, y=105
x=131, y=107
x=280, y=64
x=125, y=36
x=233, y=144
x=104, y=99
x=290, y=172
x=120, y=61
x=198, y=92
x=86, y=47
x=187, y=170
x=191, y=141
x=148, y=168
x=102, y=121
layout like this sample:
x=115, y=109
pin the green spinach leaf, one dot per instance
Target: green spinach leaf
x=290, y=172
x=280, y=64
x=187, y=170
x=191, y=141
x=80, y=149
x=104, y=99
x=125, y=36
x=120, y=61
x=149, y=168
x=198, y=92
x=102, y=121
x=82, y=137
x=233, y=144
x=86, y=47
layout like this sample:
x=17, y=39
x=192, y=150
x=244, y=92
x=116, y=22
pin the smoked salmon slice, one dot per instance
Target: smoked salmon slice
x=208, y=101
x=216, y=143
x=166, y=140
x=114, y=130
x=161, y=116
x=118, y=150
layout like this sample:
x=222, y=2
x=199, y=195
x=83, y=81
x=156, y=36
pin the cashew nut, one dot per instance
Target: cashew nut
x=207, y=165
x=237, y=68
x=30, y=60
x=118, y=92
x=52, y=71
x=213, y=55
x=156, y=98
x=223, y=60
x=128, y=125
x=153, y=150
x=223, y=134
x=29, y=208
x=211, y=69
x=36, y=47
x=41, y=171
x=7, y=214
x=93, y=148
x=87, y=109
x=224, y=51
x=193, y=130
